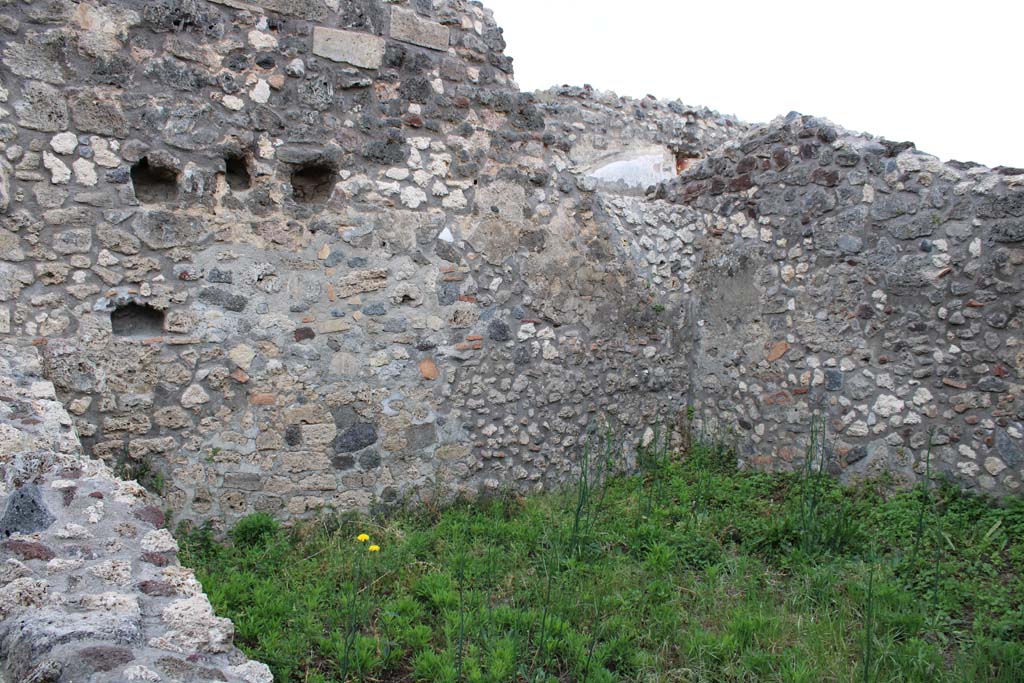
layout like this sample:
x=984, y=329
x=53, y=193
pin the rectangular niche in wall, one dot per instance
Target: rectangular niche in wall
x=236, y=172
x=313, y=183
x=152, y=184
x=136, y=320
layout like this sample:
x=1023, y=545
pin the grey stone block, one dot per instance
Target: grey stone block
x=409, y=27
x=357, y=49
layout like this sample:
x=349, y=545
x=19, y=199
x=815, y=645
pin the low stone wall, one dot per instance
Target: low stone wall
x=90, y=584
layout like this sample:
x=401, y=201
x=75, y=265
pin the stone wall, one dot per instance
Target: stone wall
x=90, y=585
x=298, y=255
x=869, y=282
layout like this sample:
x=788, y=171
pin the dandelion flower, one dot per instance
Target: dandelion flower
x=363, y=538
x=374, y=548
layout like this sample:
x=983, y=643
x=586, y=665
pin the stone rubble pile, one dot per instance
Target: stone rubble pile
x=90, y=584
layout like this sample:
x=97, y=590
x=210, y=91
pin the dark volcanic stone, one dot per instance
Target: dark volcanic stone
x=344, y=417
x=355, y=438
x=1009, y=449
x=993, y=384
x=420, y=436
x=343, y=462
x=26, y=513
x=447, y=293
x=1009, y=230
x=521, y=356
x=741, y=183
x=856, y=454
x=826, y=177
x=833, y=379
x=446, y=251
x=391, y=153
x=224, y=277
x=850, y=244
x=499, y=331
x=215, y=296
x=370, y=460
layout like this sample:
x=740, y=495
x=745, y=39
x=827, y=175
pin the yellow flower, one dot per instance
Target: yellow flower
x=374, y=548
x=363, y=538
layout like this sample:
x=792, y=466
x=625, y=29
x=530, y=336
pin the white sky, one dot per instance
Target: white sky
x=947, y=74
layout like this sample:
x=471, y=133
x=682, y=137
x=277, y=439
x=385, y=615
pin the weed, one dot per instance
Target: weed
x=254, y=530
x=142, y=472
x=726, y=576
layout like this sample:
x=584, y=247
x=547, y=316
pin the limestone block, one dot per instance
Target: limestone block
x=253, y=672
x=12, y=280
x=357, y=49
x=5, y=185
x=193, y=627
x=361, y=281
x=159, y=541
x=409, y=27
x=42, y=108
x=24, y=592
x=332, y=326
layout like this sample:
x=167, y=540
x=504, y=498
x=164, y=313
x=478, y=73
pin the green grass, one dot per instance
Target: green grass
x=689, y=571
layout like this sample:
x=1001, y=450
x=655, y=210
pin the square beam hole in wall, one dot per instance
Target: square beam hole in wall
x=137, y=320
x=313, y=184
x=236, y=172
x=684, y=160
x=153, y=184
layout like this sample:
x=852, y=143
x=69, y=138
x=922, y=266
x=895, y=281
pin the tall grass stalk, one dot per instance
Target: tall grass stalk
x=581, y=514
x=652, y=463
x=811, y=484
x=869, y=626
x=822, y=529
x=462, y=611
x=925, y=498
x=551, y=562
x=612, y=443
x=353, y=614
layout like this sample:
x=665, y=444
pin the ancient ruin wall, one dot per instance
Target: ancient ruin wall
x=859, y=279
x=296, y=255
x=90, y=585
